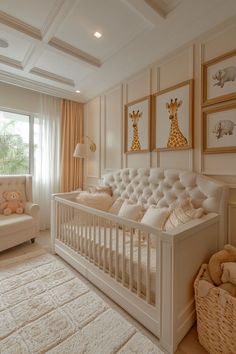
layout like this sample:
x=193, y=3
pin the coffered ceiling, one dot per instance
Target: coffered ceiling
x=52, y=48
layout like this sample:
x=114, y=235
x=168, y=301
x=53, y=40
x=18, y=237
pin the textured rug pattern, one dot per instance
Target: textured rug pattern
x=45, y=308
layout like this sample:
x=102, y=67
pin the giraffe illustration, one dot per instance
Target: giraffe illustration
x=135, y=116
x=176, y=138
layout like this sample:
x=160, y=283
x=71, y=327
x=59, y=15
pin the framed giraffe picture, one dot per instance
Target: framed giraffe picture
x=173, y=118
x=137, y=125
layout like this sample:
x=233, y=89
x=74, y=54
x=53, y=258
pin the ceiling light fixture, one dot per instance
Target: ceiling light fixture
x=3, y=43
x=77, y=91
x=97, y=35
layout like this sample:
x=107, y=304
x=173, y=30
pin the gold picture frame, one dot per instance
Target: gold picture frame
x=219, y=79
x=219, y=129
x=137, y=125
x=173, y=134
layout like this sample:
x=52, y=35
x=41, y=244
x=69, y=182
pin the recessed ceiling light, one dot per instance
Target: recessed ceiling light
x=3, y=43
x=77, y=91
x=97, y=34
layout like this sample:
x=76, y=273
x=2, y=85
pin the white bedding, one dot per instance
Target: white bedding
x=72, y=228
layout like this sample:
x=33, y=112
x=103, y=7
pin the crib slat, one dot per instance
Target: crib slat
x=75, y=231
x=117, y=253
x=99, y=242
x=105, y=244
x=139, y=265
x=148, y=290
x=86, y=235
x=59, y=220
x=131, y=260
x=90, y=237
x=110, y=250
x=66, y=224
x=123, y=256
x=62, y=223
x=94, y=239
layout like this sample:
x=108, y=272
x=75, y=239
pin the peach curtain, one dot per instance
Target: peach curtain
x=72, y=128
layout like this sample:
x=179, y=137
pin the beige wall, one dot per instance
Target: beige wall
x=17, y=98
x=104, y=116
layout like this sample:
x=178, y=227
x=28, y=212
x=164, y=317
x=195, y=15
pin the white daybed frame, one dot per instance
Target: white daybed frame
x=179, y=252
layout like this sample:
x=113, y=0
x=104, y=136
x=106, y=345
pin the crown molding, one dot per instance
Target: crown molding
x=50, y=76
x=71, y=50
x=29, y=84
x=19, y=25
x=11, y=62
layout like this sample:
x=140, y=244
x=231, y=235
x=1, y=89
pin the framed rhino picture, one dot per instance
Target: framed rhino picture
x=219, y=129
x=219, y=79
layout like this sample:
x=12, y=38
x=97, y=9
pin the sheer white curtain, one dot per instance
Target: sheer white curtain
x=47, y=156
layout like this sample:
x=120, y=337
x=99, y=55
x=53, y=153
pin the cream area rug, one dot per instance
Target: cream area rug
x=45, y=308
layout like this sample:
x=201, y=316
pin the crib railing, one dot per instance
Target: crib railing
x=119, y=247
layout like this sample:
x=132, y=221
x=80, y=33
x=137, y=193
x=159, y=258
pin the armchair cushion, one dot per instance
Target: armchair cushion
x=15, y=223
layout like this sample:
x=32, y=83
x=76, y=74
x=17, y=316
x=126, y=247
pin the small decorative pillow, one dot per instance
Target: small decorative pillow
x=156, y=217
x=115, y=208
x=229, y=272
x=104, y=189
x=182, y=214
x=101, y=201
x=132, y=211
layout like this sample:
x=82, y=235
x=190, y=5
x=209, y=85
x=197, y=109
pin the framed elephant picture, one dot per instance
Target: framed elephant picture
x=137, y=125
x=219, y=79
x=173, y=117
x=219, y=129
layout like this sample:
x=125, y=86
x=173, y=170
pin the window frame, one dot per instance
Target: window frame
x=31, y=135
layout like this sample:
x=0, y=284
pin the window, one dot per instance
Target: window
x=16, y=143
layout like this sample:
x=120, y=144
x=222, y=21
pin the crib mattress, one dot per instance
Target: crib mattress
x=75, y=235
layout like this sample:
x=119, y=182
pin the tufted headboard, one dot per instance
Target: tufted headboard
x=164, y=187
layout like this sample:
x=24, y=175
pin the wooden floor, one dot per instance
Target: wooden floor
x=189, y=344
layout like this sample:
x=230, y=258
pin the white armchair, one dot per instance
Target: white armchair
x=18, y=228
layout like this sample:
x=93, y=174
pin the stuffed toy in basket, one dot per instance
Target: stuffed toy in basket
x=215, y=296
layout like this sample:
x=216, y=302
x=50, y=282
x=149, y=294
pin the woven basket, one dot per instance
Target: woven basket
x=216, y=316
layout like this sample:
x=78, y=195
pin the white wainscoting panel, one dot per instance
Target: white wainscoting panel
x=135, y=88
x=176, y=159
x=112, y=130
x=93, y=124
x=177, y=69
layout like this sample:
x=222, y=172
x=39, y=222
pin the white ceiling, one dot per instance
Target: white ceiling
x=52, y=48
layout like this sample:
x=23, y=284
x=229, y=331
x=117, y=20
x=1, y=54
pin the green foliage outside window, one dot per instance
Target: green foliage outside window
x=14, y=152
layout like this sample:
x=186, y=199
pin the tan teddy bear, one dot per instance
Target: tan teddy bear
x=228, y=254
x=12, y=204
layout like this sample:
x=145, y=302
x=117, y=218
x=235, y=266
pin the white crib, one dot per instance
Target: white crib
x=153, y=284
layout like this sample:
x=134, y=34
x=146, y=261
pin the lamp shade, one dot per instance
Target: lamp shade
x=80, y=151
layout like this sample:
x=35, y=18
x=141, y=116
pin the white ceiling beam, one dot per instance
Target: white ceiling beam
x=19, y=25
x=32, y=56
x=144, y=10
x=61, y=10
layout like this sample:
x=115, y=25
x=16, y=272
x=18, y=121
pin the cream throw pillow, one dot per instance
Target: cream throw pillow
x=104, y=189
x=182, y=214
x=115, y=208
x=155, y=217
x=101, y=201
x=129, y=210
